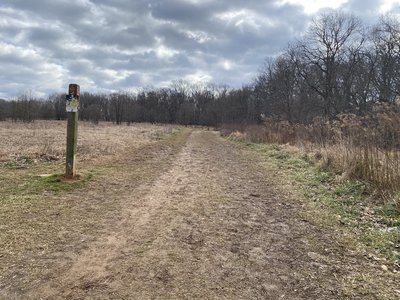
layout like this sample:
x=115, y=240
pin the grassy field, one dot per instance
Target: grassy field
x=30, y=143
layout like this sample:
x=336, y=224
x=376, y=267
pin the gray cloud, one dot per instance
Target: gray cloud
x=364, y=9
x=110, y=45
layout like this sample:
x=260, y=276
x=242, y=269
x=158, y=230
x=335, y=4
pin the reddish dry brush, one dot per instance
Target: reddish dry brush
x=364, y=147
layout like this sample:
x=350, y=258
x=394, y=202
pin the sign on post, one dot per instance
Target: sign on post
x=72, y=105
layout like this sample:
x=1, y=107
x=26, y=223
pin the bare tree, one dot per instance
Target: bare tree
x=323, y=50
x=24, y=108
x=58, y=101
x=386, y=69
x=118, y=105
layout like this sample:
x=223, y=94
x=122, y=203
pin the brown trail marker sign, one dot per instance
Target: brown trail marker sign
x=72, y=105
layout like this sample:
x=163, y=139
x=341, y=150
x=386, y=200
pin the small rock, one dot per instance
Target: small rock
x=384, y=268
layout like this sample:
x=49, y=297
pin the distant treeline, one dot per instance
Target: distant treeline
x=183, y=104
x=338, y=66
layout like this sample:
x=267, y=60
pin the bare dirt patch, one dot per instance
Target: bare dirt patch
x=182, y=218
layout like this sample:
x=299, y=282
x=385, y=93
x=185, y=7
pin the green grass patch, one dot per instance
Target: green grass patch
x=55, y=183
x=324, y=177
x=297, y=163
x=350, y=187
x=384, y=241
x=389, y=214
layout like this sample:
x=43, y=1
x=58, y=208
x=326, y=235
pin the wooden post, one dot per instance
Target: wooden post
x=72, y=129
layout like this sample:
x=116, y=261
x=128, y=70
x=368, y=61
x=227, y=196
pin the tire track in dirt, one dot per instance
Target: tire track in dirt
x=197, y=232
x=212, y=226
x=143, y=220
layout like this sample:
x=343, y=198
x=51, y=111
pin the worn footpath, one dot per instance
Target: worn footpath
x=201, y=220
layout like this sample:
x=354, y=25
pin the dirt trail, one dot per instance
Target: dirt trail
x=210, y=226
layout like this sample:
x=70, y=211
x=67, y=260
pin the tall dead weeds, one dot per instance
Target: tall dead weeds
x=363, y=147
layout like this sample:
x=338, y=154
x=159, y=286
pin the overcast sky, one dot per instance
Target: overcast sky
x=111, y=45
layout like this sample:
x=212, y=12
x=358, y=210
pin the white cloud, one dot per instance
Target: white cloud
x=245, y=18
x=165, y=52
x=312, y=6
x=387, y=5
x=199, y=36
x=198, y=77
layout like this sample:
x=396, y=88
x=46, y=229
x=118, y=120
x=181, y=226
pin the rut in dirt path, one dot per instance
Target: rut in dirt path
x=212, y=226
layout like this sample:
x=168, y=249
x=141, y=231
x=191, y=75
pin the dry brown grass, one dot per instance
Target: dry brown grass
x=46, y=140
x=361, y=147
